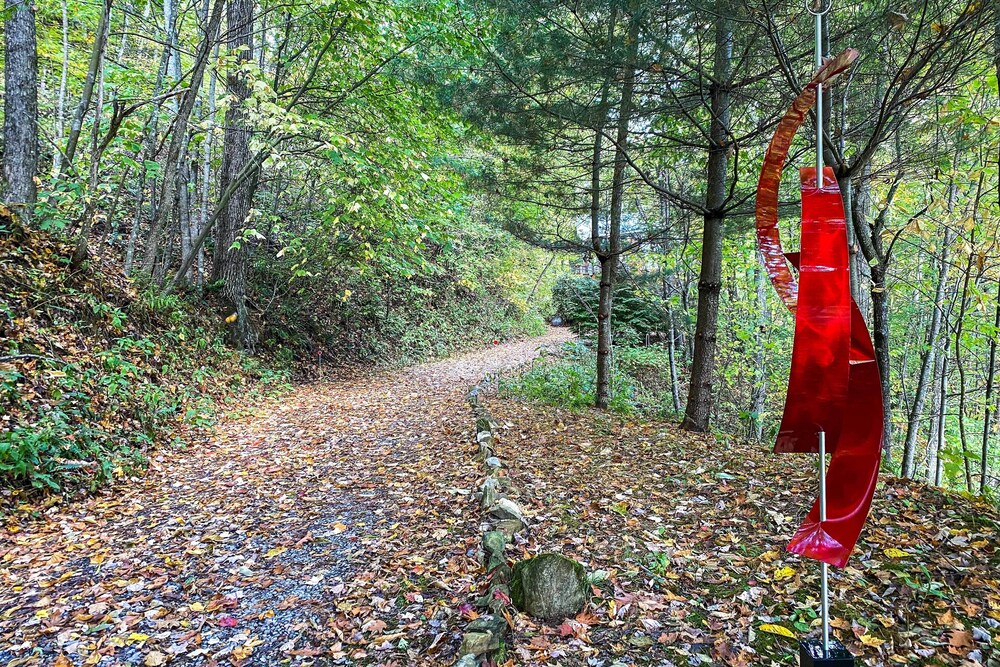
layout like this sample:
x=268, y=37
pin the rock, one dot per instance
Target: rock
x=467, y=660
x=473, y=396
x=489, y=623
x=484, y=423
x=557, y=321
x=549, y=586
x=494, y=462
x=490, y=491
x=496, y=598
x=505, y=508
x=484, y=437
x=494, y=542
x=510, y=527
x=478, y=643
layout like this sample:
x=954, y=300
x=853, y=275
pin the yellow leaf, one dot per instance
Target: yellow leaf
x=42, y=613
x=231, y=318
x=197, y=606
x=338, y=528
x=242, y=652
x=275, y=552
x=137, y=637
x=777, y=630
x=874, y=642
x=892, y=552
x=784, y=573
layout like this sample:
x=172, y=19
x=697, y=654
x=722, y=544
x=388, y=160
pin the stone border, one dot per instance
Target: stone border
x=502, y=519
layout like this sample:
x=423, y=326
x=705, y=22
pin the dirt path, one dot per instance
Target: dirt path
x=335, y=527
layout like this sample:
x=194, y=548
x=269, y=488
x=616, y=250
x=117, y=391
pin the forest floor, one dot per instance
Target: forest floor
x=690, y=532
x=334, y=525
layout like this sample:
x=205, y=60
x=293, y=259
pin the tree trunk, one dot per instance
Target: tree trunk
x=987, y=412
x=934, y=460
x=927, y=363
x=880, y=336
x=206, y=168
x=960, y=364
x=758, y=394
x=20, y=107
x=90, y=211
x=604, y=342
x=96, y=58
x=179, y=136
x=861, y=206
x=148, y=153
x=612, y=255
x=61, y=103
x=700, y=392
x=231, y=249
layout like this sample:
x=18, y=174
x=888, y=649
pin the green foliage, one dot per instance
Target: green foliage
x=635, y=312
x=395, y=304
x=87, y=422
x=639, y=383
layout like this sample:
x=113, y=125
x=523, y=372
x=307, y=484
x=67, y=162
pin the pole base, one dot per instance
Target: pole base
x=811, y=654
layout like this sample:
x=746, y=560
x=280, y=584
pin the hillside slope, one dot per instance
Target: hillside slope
x=94, y=369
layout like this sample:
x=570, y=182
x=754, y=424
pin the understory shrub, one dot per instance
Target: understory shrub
x=95, y=369
x=635, y=310
x=640, y=381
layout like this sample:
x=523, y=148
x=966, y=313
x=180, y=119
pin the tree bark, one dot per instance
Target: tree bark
x=698, y=412
x=231, y=249
x=90, y=211
x=963, y=303
x=612, y=254
x=934, y=460
x=20, y=124
x=61, y=103
x=758, y=394
x=880, y=331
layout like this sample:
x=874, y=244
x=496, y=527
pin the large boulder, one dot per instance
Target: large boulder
x=549, y=586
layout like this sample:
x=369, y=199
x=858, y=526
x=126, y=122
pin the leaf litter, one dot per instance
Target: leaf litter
x=331, y=526
x=684, y=538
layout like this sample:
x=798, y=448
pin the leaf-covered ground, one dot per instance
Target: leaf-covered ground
x=690, y=533
x=332, y=526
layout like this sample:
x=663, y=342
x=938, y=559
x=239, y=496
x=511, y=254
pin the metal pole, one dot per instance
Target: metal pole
x=819, y=102
x=818, y=9
x=824, y=581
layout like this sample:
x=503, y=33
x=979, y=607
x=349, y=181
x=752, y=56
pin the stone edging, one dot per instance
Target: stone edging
x=502, y=519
